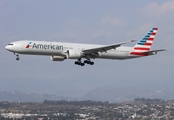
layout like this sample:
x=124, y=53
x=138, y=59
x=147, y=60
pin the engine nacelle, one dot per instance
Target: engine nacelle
x=57, y=58
x=74, y=54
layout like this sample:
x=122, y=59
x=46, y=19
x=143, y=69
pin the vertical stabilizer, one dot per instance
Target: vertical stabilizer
x=144, y=45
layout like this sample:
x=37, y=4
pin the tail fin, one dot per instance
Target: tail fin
x=145, y=43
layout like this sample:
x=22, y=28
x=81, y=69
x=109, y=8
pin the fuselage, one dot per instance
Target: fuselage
x=60, y=48
x=59, y=51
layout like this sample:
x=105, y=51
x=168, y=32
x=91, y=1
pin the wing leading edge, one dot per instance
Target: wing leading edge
x=105, y=48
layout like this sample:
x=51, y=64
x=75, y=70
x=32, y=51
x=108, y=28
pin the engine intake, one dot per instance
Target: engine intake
x=74, y=54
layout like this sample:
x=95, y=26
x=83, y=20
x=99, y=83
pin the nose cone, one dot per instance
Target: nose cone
x=7, y=47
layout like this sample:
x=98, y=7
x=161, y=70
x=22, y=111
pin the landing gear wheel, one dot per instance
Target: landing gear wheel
x=82, y=64
x=76, y=62
x=88, y=62
x=85, y=61
x=79, y=63
x=17, y=58
x=91, y=63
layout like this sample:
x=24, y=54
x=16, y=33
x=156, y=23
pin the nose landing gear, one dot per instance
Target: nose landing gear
x=17, y=56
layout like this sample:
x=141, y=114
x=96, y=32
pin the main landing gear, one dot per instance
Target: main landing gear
x=79, y=62
x=17, y=56
x=88, y=62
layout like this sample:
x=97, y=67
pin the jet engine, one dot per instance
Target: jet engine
x=74, y=54
x=57, y=58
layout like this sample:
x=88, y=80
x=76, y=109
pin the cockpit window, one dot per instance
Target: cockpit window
x=10, y=44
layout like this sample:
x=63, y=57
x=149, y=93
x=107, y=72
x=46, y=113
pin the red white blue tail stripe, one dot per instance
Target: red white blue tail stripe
x=143, y=46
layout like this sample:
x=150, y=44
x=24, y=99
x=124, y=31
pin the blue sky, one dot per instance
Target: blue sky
x=87, y=21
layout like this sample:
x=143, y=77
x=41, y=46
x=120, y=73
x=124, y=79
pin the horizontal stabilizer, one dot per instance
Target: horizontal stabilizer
x=154, y=51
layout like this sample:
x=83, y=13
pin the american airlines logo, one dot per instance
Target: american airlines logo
x=45, y=46
x=28, y=45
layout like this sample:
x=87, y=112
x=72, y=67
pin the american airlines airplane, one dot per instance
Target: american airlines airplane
x=59, y=51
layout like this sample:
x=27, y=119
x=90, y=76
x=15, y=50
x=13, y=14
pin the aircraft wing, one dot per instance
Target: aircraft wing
x=105, y=48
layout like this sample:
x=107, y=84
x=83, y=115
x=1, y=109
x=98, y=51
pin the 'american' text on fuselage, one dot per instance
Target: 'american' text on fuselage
x=45, y=46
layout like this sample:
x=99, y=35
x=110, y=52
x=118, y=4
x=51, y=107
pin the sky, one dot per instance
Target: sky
x=86, y=21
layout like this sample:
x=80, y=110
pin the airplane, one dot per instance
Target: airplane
x=59, y=51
